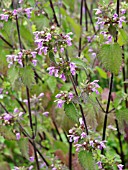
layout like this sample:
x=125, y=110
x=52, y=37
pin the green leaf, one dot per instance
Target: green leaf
x=13, y=74
x=76, y=27
x=111, y=57
x=86, y=160
x=7, y=133
x=7, y=3
x=52, y=57
x=23, y=144
x=122, y=38
x=122, y=116
x=112, y=30
x=27, y=75
x=61, y=145
x=52, y=83
x=79, y=62
x=4, y=165
x=71, y=112
x=102, y=73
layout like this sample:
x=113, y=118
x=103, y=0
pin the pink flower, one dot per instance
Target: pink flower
x=115, y=16
x=20, y=1
x=91, y=143
x=62, y=50
x=41, y=95
x=58, y=96
x=81, y=121
x=51, y=70
x=98, y=12
x=76, y=138
x=31, y=167
x=34, y=54
x=46, y=114
x=16, y=110
x=14, y=12
x=123, y=11
x=121, y=20
x=120, y=166
x=95, y=86
x=70, y=95
x=99, y=164
x=17, y=136
x=45, y=49
x=4, y=17
x=34, y=62
x=28, y=12
x=102, y=145
x=72, y=68
x=83, y=135
x=31, y=159
x=7, y=117
x=60, y=103
x=62, y=76
x=48, y=37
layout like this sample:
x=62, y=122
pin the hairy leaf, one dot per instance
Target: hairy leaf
x=86, y=160
x=7, y=3
x=7, y=133
x=122, y=117
x=27, y=76
x=13, y=74
x=123, y=37
x=52, y=83
x=111, y=57
x=24, y=147
x=71, y=112
x=79, y=62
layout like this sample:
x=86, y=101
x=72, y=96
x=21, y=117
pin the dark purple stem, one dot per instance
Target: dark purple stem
x=81, y=17
x=107, y=111
x=10, y=45
x=54, y=14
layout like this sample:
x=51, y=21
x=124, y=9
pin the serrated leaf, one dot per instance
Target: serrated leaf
x=13, y=74
x=111, y=57
x=52, y=83
x=7, y=133
x=27, y=76
x=122, y=116
x=71, y=112
x=122, y=37
x=79, y=62
x=86, y=160
x=23, y=144
x=7, y=3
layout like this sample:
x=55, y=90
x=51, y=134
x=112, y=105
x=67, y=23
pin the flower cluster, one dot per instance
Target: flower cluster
x=62, y=69
x=82, y=141
x=20, y=57
x=63, y=97
x=105, y=16
x=91, y=143
x=91, y=87
x=11, y=14
x=34, y=99
x=51, y=40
